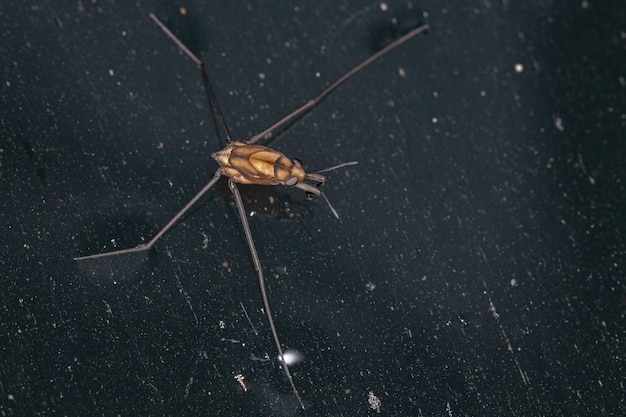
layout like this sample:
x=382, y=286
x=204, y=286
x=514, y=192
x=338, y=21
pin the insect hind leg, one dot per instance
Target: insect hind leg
x=208, y=87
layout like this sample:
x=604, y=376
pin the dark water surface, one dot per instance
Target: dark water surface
x=478, y=266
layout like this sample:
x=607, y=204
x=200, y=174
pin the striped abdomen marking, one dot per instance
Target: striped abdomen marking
x=256, y=164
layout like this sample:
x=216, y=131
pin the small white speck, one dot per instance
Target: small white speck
x=435, y=120
x=374, y=401
x=241, y=379
x=384, y=7
x=111, y=72
x=261, y=75
x=558, y=122
x=519, y=68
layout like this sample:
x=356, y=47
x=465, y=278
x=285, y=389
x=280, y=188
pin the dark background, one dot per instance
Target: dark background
x=478, y=266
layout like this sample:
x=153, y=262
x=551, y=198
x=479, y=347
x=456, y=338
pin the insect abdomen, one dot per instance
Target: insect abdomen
x=256, y=164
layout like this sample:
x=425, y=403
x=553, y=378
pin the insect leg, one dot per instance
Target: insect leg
x=168, y=226
x=208, y=87
x=259, y=270
x=309, y=105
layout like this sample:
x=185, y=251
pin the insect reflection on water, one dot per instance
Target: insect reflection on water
x=245, y=162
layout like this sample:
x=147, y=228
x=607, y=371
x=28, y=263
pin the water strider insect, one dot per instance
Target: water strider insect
x=244, y=162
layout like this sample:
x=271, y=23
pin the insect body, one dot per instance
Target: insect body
x=257, y=164
x=260, y=165
x=245, y=162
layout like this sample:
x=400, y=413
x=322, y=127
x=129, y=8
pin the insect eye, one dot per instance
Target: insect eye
x=291, y=182
x=298, y=163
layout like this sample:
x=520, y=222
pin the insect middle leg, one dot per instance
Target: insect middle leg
x=259, y=270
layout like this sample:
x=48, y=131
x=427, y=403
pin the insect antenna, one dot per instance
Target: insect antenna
x=344, y=164
x=311, y=190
